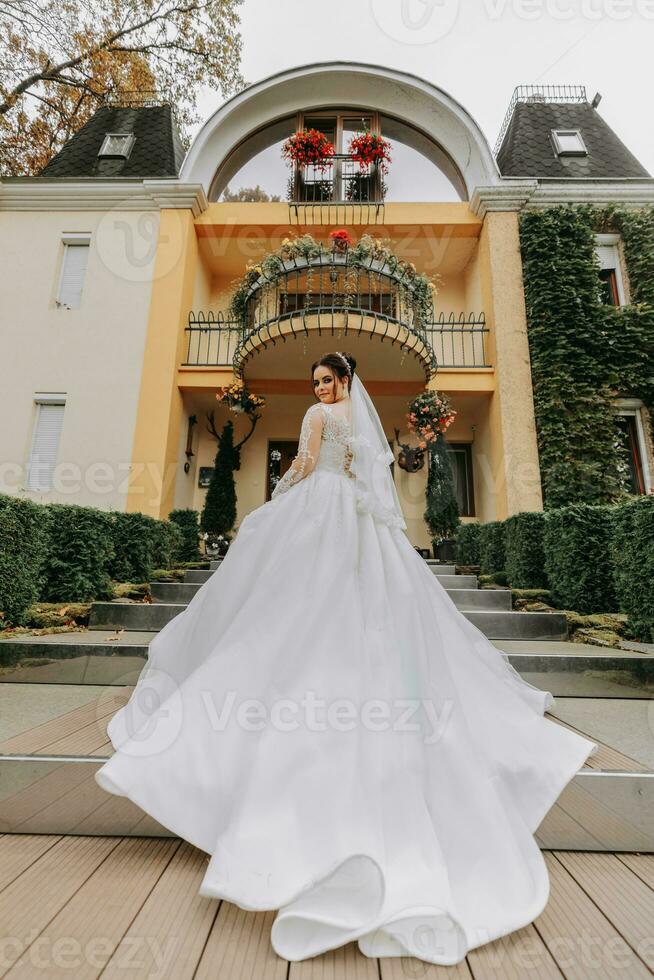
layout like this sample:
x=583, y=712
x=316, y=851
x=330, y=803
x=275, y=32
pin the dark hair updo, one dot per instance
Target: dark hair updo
x=335, y=363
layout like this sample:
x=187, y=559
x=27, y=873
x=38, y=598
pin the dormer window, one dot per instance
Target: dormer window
x=569, y=143
x=117, y=145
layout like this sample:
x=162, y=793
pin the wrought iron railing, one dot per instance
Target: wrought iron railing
x=459, y=339
x=381, y=296
x=349, y=291
x=341, y=186
x=340, y=179
x=211, y=340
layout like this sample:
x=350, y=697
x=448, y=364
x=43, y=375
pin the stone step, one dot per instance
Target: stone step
x=103, y=657
x=597, y=811
x=438, y=567
x=495, y=624
x=448, y=581
x=499, y=625
x=47, y=770
x=464, y=598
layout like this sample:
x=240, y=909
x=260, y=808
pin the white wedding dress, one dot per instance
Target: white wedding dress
x=349, y=749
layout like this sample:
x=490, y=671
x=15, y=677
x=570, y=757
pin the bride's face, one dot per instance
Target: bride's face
x=327, y=385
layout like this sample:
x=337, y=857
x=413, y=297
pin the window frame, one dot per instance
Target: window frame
x=609, y=255
x=466, y=448
x=560, y=150
x=131, y=139
x=634, y=407
x=340, y=115
x=42, y=398
x=75, y=239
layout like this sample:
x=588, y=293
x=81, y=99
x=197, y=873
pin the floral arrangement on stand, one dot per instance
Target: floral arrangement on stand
x=429, y=416
x=239, y=399
x=216, y=544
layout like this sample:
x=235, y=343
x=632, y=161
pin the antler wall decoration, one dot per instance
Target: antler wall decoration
x=411, y=458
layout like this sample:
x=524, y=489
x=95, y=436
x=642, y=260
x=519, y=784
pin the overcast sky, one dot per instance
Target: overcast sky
x=477, y=50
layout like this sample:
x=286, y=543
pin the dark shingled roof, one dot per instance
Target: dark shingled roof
x=527, y=149
x=157, y=149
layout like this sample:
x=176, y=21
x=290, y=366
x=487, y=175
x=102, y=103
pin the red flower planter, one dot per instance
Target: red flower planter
x=309, y=147
x=368, y=149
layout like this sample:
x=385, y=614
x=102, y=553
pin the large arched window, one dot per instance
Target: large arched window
x=420, y=170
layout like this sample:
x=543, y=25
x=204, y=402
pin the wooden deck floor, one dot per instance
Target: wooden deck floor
x=110, y=906
x=128, y=907
x=82, y=732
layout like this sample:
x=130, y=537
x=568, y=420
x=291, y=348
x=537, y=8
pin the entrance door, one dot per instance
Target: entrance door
x=461, y=459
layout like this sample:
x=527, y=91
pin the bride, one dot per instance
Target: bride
x=323, y=721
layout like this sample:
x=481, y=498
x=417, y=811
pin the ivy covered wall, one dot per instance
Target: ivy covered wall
x=584, y=353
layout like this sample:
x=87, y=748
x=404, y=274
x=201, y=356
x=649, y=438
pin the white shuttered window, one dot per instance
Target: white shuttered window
x=45, y=443
x=73, y=270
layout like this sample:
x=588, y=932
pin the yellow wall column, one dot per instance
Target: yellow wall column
x=511, y=471
x=160, y=410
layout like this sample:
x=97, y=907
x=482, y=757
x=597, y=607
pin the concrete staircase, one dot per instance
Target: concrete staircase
x=47, y=764
x=489, y=609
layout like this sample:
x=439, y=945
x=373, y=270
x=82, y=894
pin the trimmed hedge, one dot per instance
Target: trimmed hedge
x=592, y=558
x=187, y=520
x=168, y=541
x=578, y=557
x=79, y=554
x=492, y=556
x=143, y=544
x=525, y=558
x=632, y=552
x=70, y=553
x=23, y=547
x=466, y=551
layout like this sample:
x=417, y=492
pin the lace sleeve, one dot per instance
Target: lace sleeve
x=308, y=449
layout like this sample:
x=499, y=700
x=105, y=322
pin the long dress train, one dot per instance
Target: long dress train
x=345, y=745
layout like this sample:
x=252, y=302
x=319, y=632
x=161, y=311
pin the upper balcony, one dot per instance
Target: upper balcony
x=338, y=165
x=339, y=183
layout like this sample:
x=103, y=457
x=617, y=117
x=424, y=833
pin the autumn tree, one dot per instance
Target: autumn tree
x=249, y=194
x=61, y=59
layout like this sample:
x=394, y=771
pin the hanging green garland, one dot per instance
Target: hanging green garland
x=584, y=353
x=415, y=289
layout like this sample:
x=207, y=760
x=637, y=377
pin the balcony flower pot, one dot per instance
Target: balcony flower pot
x=368, y=150
x=341, y=240
x=308, y=148
x=216, y=544
x=444, y=550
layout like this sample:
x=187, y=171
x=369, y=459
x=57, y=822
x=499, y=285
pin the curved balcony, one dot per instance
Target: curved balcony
x=333, y=292
x=458, y=340
x=336, y=293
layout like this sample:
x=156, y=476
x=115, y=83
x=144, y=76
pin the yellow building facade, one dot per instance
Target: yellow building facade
x=446, y=208
x=484, y=363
